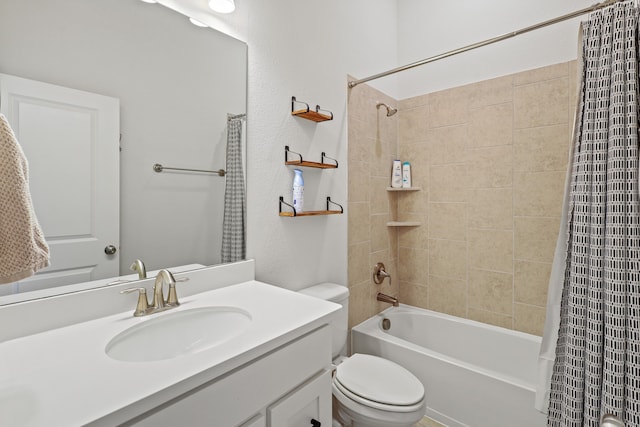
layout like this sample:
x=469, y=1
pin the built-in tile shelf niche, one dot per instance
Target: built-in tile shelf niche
x=403, y=223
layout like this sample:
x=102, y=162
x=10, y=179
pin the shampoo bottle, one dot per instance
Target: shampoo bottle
x=406, y=175
x=396, y=174
x=298, y=190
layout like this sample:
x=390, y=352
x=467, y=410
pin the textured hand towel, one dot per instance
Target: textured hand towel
x=23, y=249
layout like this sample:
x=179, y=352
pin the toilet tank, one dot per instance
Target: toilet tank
x=340, y=319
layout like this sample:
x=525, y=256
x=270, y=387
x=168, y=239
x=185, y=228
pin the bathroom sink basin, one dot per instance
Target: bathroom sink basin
x=178, y=333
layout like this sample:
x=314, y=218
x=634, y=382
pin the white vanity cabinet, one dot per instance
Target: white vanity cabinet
x=289, y=386
x=274, y=373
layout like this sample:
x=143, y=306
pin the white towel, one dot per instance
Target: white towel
x=23, y=249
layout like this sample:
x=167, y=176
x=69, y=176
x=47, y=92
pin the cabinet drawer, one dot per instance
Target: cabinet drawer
x=311, y=402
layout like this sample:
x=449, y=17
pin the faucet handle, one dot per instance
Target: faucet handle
x=172, y=297
x=379, y=273
x=143, y=304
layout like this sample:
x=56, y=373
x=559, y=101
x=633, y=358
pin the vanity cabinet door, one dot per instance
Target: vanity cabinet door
x=257, y=421
x=307, y=406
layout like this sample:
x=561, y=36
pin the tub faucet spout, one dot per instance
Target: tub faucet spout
x=386, y=298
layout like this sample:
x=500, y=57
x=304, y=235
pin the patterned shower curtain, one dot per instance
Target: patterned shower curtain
x=233, y=225
x=597, y=363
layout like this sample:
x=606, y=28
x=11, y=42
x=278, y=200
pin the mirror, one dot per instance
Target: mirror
x=176, y=83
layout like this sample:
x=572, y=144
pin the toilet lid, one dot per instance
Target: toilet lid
x=379, y=380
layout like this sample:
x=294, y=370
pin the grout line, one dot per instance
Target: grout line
x=550, y=79
x=513, y=210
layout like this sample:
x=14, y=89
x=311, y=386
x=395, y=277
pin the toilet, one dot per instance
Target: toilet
x=368, y=391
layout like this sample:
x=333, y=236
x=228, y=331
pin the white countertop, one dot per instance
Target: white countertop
x=63, y=377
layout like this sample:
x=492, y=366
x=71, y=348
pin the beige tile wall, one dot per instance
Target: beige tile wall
x=373, y=142
x=491, y=160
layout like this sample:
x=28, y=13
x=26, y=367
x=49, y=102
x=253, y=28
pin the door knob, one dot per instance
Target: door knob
x=110, y=250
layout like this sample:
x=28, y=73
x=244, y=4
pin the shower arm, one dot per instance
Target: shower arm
x=390, y=110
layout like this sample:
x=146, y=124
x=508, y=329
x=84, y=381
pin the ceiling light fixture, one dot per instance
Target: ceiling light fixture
x=222, y=6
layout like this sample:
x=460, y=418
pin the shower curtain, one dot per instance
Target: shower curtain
x=233, y=225
x=593, y=316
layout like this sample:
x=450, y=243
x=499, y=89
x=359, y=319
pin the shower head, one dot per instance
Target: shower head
x=390, y=110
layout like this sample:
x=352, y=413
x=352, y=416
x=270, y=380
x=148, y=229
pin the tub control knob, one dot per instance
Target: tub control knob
x=379, y=274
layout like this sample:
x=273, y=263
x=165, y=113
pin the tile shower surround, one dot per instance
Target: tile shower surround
x=491, y=158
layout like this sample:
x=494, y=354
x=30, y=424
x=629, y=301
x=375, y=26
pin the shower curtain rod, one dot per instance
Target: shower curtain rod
x=354, y=83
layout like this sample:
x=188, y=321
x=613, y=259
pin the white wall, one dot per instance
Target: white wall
x=176, y=83
x=429, y=27
x=305, y=49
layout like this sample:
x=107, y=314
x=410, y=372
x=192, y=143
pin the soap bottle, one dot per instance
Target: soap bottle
x=406, y=175
x=396, y=174
x=298, y=191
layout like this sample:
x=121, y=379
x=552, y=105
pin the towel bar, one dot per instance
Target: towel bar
x=159, y=168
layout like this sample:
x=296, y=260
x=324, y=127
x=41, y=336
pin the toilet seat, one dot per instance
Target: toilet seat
x=376, y=405
x=379, y=383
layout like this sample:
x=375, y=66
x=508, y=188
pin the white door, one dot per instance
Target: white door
x=71, y=141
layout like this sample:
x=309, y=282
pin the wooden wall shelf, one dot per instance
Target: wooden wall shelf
x=404, y=189
x=293, y=212
x=309, y=213
x=308, y=164
x=317, y=115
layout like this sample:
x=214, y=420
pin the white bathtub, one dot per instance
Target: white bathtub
x=474, y=374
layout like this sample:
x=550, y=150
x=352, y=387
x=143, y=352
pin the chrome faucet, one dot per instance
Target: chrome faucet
x=159, y=303
x=138, y=266
x=386, y=298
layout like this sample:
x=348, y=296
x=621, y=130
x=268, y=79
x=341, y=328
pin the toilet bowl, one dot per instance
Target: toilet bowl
x=368, y=391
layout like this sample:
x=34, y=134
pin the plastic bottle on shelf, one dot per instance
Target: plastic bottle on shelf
x=396, y=174
x=406, y=175
x=298, y=191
